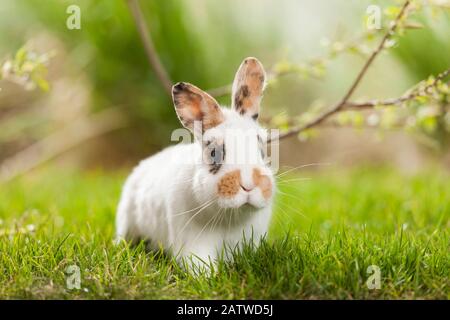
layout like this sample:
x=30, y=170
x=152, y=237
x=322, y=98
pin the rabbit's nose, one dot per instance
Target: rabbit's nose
x=247, y=188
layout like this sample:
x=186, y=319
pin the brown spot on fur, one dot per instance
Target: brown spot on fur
x=230, y=184
x=263, y=182
x=240, y=98
x=248, y=86
x=244, y=91
x=193, y=104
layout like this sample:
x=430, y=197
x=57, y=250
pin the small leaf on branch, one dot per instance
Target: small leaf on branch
x=343, y=118
x=28, y=69
x=388, y=118
x=427, y=118
x=430, y=80
x=281, y=121
x=429, y=124
x=443, y=88
x=283, y=66
x=392, y=11
x=421, y=99
x=307, y=134
x=390, y=43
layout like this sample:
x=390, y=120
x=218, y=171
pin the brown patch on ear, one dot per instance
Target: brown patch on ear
x=229, y=184
x=193, y=104
x=248, y=87
x=263, y=182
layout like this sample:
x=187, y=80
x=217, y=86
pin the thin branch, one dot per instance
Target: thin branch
x=59, y=142
x=274, y=73
x=332, y=125
x=355, y=83
x=411, y=94
x=406, y=97
x=149, y=47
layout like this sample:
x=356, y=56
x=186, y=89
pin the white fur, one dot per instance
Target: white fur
x=164, y=199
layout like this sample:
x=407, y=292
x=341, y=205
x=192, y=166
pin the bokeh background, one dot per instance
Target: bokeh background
x=79, y=108
x=105, y=108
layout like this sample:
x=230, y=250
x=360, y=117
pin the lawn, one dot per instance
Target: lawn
x=328, y=227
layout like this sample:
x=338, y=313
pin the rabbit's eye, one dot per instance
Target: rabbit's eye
x=214, y=156
x=217, y=155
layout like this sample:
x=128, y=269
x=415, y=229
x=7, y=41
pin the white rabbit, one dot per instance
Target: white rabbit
x=194, y=199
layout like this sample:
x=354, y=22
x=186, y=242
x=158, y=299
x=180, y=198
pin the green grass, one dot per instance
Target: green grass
x=326, y=231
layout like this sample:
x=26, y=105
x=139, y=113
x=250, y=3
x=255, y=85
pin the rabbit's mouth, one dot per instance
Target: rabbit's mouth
x=253, y=201
x=245, y=200
x=234, y=192
x=247, y=207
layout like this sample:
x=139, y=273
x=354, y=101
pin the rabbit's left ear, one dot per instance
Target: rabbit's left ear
x=248, y=87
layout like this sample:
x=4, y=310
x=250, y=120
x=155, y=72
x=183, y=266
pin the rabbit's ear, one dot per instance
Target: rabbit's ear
x=248, y=87
x=193, y=104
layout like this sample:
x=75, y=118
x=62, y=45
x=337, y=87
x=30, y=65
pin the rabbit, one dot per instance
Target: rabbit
x=196, y=199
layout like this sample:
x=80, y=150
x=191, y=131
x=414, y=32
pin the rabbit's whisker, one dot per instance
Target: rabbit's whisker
x=294, y=210
x=218, y=216
x=292, y=180
x=204, y=227
x=229, y=221
x=290, y=195
x=194, y=215
x=303, y=166
x=193, y=209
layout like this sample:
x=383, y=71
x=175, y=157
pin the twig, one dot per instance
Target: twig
x=273, y=73
x=59, y=142
x=149, y=47
x=333, y=125
x=411, y=94
x=406, y=97
x=355, y=83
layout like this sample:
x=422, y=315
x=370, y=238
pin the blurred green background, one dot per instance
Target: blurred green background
x=103, y=65
x=98, y=109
